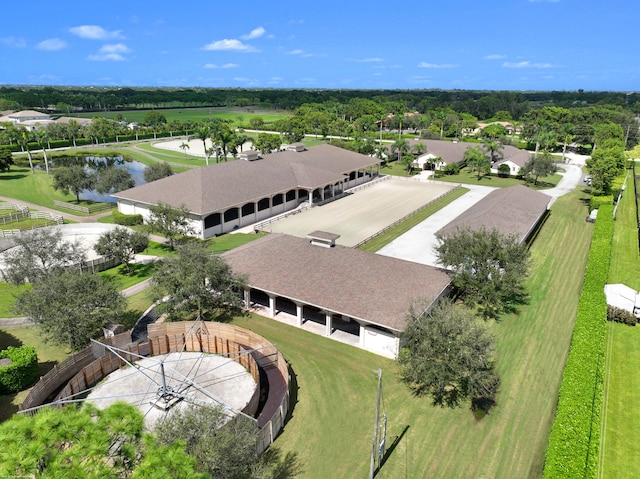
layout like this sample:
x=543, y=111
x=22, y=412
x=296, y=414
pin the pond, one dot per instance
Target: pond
x=98, y=162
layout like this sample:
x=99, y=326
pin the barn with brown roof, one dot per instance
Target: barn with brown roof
x=346, y=294
x=226, y=196
x=515, y=210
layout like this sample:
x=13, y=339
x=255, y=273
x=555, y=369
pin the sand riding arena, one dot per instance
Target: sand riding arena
x=366, y=212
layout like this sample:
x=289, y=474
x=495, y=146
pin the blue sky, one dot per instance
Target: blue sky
x=448, y=44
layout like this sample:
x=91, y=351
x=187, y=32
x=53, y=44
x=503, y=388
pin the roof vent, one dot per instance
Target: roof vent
x=297, y=147
x=249, y=155
x=322, y=238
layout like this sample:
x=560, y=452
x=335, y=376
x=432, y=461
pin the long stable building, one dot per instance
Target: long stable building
x=346, y=294
x=226, y=196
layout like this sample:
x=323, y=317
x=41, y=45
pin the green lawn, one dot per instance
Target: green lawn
x=332, y=420
x=620, y=447
x=467, y=177
x=20, y=184
x=48, y=355
x=8, y=294
x=198, y=114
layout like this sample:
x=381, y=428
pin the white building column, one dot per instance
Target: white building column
x=299, y=307
x=328, y=323
x=361, y=338
x=272, y=306
x=247, y=298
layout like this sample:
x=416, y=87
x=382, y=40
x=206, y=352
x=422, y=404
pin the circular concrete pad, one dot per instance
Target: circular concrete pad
x=212, y=376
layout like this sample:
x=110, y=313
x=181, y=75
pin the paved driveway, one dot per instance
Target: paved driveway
x=418, y=243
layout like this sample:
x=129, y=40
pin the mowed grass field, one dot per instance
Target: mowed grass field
x=235, y=116
x=334, y=406
x=620, y=447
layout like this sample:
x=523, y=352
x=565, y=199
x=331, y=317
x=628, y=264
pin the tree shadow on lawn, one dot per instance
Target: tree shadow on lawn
x=137, y=270
x=16, y=176
x=7, y=339
x=7, y=407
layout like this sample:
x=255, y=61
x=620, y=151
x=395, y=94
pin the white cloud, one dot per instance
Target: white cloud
x=110, y=52
x=368, y=60
x=541, y=1
x=296, y=52
x=51, y=44
x=526, y=64
x=495, y=57
x=95, y=32
x=255, y=33
x=14, y=42
x=226, y=65
x=436, y=65
x=229, y=44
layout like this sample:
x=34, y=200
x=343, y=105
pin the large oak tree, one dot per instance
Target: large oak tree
x=489, y=268
x=448, y=354
x=71, y=307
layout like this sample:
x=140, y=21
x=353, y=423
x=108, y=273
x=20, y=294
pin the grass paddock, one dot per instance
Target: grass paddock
x=334, y=400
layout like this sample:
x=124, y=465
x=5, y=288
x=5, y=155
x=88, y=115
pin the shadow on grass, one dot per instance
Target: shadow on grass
x=7, y=339
x=44, y=367
x=7, y=407
x=129, y=318
x=390, y=449
x=293, y=393
x=481, y=407
x=138, y=270
x=281, y=467
x=16, y=176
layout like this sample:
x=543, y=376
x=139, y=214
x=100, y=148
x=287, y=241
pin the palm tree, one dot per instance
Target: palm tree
x=241, y=139
x=24, y=137
x=43, y=138
x=224, y=137
x=475, y=159
x=567, y=137
x=203, y=133
x=400, y=147
x=419, y=149
x=184, y=146
x=492, y=147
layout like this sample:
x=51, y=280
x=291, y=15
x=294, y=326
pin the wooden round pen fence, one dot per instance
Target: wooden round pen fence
x=89, y=366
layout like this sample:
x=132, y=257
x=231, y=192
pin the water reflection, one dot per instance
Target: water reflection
x=96, y=163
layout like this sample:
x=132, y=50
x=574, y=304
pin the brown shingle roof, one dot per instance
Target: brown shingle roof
x=220, y=186
x=512, y=210
x=361, y=285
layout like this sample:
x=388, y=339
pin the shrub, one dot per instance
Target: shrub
x=620, y=315
x=504, y=171
x=597, y=201
x=451, y=169
x=126, y=220
x=22, y=371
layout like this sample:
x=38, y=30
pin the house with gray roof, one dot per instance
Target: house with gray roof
x=515, y=210
x=342, y=293
x=226, y=196
x=440, y=153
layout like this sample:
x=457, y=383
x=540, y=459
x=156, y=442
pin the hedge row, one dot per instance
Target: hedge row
x=22, y=371
x=597, y=201
x=575, y=436
x=126, y=220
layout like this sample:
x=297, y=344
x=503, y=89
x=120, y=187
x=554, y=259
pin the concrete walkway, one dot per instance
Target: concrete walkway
x=418, y=243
